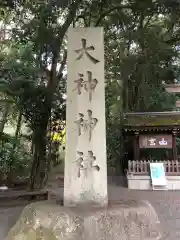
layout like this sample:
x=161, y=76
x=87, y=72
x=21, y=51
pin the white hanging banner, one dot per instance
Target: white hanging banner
x=158, y=175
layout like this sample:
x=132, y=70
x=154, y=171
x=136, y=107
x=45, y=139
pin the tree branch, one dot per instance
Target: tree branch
x=148, y=21
x=84, y=19
x=63, y=62
x=173, y=40
x=109, y=11
x=72, y=13
x=57, y=46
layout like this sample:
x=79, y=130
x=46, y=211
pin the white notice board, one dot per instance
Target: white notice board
x=158, y=175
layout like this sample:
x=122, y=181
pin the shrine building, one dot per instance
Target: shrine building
x=153, y=137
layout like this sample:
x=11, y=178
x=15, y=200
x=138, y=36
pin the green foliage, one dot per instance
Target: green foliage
x=159, y=100
x=143, y=56
x=141, y=50
x=141, y=53
x=17, y=157
x=114, y=125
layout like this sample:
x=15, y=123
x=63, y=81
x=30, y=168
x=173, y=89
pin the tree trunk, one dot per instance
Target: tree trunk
x=18, y=128
x=4, y=118
x=38, y=169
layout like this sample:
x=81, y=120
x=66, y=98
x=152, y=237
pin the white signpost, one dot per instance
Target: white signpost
x=158, y=176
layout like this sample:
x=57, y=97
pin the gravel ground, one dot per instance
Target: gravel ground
x=166, y=203
x=8, y=217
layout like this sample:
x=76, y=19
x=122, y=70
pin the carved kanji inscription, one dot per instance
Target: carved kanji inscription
x=86, y=125
x=88, y=85
x=86, y=163
x=85, y=50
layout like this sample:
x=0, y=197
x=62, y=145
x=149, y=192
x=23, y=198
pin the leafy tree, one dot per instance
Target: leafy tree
x=141, y=52
x=40, y=30
x=141, y=46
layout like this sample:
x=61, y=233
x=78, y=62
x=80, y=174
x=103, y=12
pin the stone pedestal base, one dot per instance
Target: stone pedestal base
x=121, y=221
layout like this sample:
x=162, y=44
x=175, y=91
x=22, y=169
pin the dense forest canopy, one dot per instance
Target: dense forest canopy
x=141, y=55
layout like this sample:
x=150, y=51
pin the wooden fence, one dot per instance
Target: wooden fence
x=142, y=167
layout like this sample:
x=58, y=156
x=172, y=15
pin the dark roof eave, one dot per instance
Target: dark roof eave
x=151, y=128
x=172, y=113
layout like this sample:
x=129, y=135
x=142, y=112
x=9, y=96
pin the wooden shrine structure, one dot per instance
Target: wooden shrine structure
x=152, y=130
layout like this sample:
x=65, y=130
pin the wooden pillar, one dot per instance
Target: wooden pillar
x=136, y=146
x=174, y=148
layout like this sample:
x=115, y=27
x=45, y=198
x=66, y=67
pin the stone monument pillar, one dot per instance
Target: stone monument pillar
x=85, y=163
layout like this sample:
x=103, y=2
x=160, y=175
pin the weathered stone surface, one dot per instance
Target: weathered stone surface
x=130, y=220
x=85, y=164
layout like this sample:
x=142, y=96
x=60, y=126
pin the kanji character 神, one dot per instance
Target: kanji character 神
x=86, y=125
x=88, y=85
